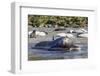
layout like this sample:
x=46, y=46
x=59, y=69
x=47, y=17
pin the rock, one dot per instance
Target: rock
x=65, y=35
x=84, y=35
x=61, y=34
x=71, y=31
x=40, y=33
x=35, y=33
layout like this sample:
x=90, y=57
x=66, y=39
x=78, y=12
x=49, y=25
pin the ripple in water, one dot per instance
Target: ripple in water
x=47, y=53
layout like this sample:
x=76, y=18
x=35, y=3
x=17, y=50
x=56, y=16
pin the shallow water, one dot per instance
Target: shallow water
x=45, y=53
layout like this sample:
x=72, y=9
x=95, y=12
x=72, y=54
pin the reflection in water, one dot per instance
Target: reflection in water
x=42, y=53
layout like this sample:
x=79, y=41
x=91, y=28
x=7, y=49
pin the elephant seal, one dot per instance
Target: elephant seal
x=64, y=43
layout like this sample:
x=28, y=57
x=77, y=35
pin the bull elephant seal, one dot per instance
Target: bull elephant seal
x=64, y=43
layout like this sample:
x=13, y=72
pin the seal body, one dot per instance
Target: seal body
x=62, y=42
x=66, y=43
